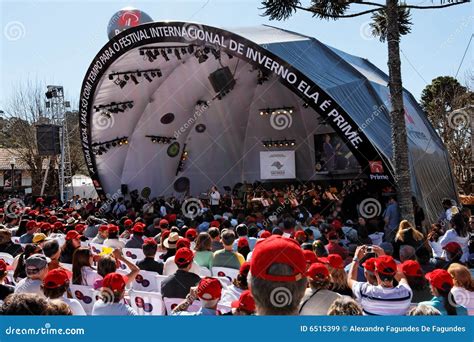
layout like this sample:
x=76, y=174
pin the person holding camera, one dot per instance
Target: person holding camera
x=385, y=298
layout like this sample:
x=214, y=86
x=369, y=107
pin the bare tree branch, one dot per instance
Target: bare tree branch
x=434, y=6
x=325, y=15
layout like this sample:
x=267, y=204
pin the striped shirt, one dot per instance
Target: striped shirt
x=383, y=301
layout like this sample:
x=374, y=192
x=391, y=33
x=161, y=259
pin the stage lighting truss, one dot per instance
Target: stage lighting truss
x=113, y=108
x=100, y=148
x=123, y=77
x=152, y=53
x=182, y=160
x=276, y=111
x=160, y=140
x=279, y=143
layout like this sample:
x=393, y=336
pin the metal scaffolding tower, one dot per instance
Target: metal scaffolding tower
x=56, y=107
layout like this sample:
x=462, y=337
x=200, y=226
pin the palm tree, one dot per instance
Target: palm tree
x=390, y=21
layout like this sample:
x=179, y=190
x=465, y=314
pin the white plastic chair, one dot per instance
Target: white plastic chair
x=171, y=303
x=159, y=279
x=134, y=254
x=86, y=295
x=147, y=303
x=146, y=281
x=8, y=258
x=227, y=272
x=205, y=272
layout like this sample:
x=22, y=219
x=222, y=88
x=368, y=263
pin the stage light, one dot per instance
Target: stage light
x=142, y=53
x=183, y=51
x=176, y=52
x=111, y=77
x=170, y=51
x=262, y=77
x=134, y=79
x=160, y=139
x=126, y=77
x=305, y=105
x=190, y=49
x=147, y=77
x=216, y=53
x=165, y=55
x=159, y=73
x=150, y=55
x=139, y=73
x=130, y=104
x=113, y=107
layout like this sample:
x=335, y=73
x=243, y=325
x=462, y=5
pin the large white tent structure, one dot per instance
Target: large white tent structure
x=155, y=113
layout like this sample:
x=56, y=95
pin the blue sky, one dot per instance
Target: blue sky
x=56, y=40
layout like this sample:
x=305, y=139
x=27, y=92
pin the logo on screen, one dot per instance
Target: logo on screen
x=277, y=164
x=376, y=167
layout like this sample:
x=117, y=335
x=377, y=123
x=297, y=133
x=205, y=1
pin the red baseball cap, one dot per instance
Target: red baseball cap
x=149, y=241
x=45, y=226
x=3, y=265
x=55, y=278
x=242, y=242
x=52, y=219
x=453, y=248
x=183, y=242
x=333, y=260
x=412, y=268
x=103, y=228
x=80, y=227
x=310, y=257
x=39, y=199
x=31, y=224
x=72, y=235
x=441, y=279
x=265, y=234
x=138, y=227
x=190, y=233
x=245, y=302
x=245, y=268
x=113, y=228
x=385, y=264
x=369, y=264
x=58, y=225
x=278, y=250
x=127, y=222
x=318, y=271
x=215, y=223
x=164, y=222
x=336, y=224
x=209, y=288
x=333, y=236
x=300, y=234
x=115, y=281
x=183, y=256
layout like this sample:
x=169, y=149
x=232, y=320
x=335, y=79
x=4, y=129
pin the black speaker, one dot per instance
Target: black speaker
x=47, y=140
x=124, y=189
x=222, y=80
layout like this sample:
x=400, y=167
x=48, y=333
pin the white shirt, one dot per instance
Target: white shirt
x=464, y=298
x=215, y=197
x=383, y=301
x=27, y=285
x=317, y=303
x=114, y=243
x=76, y=307
x=112, y=309
x=451, y=236
x=170, y=267
x=230, y=294
x=89, y=276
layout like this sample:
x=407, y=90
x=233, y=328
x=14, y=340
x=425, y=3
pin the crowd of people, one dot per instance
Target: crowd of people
x=297, y=251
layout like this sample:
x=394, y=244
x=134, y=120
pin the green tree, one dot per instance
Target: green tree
x=390, y=21
x=448, y=106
